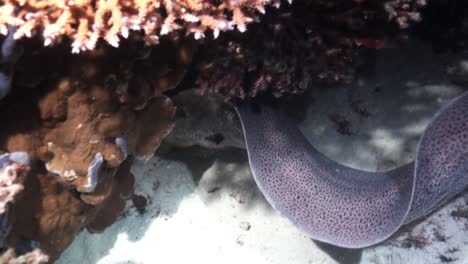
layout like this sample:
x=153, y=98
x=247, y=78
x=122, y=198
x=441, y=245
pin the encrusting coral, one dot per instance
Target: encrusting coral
x=86, y=21
x=301, y=44
x=81, y=120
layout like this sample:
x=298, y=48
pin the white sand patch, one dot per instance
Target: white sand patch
x=195, y=224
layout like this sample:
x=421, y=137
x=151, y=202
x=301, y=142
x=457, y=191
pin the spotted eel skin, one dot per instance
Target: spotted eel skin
x=347, y=207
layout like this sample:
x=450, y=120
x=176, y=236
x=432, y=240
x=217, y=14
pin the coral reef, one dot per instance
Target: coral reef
x=11, y=164
x=81, y=120
x=403, y=12
x=86, y=21
x=34, y=257
x=13, y=167
x=297, y=45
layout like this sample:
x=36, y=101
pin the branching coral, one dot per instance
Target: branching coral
x=13, y=167
x=86, y=21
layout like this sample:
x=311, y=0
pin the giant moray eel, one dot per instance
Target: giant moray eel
x=347, y=207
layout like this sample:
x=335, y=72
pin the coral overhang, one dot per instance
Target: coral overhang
x=86, y=21
x=301, y=44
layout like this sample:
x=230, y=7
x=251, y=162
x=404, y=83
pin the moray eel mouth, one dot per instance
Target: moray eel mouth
x=347, y=207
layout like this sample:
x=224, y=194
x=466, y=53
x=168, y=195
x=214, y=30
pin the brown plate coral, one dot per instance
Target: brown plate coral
x=80, y=120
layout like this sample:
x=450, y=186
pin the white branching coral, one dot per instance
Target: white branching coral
x=10, y=165
x=34, y=257
x=86, y=21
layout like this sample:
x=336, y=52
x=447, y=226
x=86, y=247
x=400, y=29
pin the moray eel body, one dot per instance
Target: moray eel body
x=348, y=207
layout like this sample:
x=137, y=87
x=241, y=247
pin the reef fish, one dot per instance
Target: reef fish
x=343, y=206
